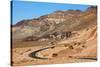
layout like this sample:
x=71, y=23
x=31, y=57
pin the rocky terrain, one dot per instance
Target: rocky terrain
x=60, y=37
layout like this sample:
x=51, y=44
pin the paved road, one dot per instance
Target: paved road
x=89, y=58
x=34, y=54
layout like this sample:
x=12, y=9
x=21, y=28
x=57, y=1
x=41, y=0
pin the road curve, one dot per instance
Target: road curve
x=34, y=54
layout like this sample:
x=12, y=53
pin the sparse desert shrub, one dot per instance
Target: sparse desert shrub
x=83, y=46
x=54, y=55
x=69, y=56
x=52, y=43
x=66, y=45
x=87, y=29
x=52, y=47
x=78, y=43
x=71, y=47
x=75, y=43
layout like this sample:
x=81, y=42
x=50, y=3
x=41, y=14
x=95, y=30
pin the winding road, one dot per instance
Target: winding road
x=34, y=54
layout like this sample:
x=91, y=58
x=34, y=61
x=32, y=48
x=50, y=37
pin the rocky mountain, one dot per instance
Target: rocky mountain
x=55, y=23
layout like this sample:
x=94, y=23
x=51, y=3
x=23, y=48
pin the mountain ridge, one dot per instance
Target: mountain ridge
x=58, y=21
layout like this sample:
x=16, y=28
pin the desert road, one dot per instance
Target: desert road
x=34, y=54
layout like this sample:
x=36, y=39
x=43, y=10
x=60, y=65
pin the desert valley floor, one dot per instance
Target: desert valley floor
x=74, y=49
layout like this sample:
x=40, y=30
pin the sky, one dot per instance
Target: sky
x=28, y=10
